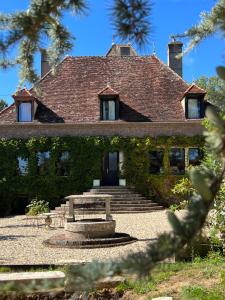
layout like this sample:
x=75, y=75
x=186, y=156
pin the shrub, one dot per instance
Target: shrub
x=37, y=207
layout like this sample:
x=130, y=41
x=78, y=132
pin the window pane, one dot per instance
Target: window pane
x=125, y=51
x=193, y=108
x=105, y=110
x=25, y=112
x=194, y=156
x=108, y=110
x=113, y=161
x=63, y=164
x=22, y=166
x=43, y=159
x=156, y=161
x=177, y=160
x=112, y=110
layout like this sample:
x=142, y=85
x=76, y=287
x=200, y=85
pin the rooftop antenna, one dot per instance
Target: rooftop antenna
x=154, y=48
x=173, y=38
x=113, y=39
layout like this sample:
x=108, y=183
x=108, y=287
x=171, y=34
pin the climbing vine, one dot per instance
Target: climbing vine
x=85, y=165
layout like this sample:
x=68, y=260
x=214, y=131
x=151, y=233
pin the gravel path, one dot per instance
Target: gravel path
x=21, y=243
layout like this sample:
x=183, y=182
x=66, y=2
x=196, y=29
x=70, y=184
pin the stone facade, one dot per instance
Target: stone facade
x=188, y=128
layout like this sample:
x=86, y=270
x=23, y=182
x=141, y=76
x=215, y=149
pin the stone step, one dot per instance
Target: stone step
x=123, y=200
x=115, y=209
x=22, y=279
x=121, y=211
x=111, y=187
x=122, y=208
x=110, y=193
x=134, y=204
x=123, y=203
x=116, y=194
x=130, y=198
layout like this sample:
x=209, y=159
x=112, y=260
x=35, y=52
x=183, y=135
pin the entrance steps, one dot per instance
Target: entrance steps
x=124, y=200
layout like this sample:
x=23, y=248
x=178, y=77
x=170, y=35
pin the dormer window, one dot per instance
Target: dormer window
x=125, y=51
x=26, y=105
x=25, y=111
x=109, y=109
x=194, y=108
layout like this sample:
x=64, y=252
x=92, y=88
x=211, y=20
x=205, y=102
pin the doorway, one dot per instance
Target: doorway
x=110, y=169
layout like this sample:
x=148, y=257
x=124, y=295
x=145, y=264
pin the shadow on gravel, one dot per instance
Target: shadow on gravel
x=21, y=225
x=13, y=237
x=147, y=240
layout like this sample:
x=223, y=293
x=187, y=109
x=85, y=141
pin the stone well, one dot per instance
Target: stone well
x=90, y=229
x=89, y=233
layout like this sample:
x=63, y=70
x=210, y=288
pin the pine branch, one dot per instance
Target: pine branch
x=43, y=20
x=131, y=20
x=209, y=24
x=206, y=182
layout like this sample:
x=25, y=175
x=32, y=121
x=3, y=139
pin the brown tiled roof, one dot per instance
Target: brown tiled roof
x=107, y=91
x=148, y=90
x=194, y=89
x=22, y=93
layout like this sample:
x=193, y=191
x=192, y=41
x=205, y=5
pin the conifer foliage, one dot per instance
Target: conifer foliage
x=210, y=23
x=41, y=26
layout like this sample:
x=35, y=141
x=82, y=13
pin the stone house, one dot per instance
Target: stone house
x=121, y=94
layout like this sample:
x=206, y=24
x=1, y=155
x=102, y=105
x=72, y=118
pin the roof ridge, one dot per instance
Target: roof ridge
x=194, y=84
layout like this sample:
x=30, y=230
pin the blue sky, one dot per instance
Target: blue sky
x=94, y=36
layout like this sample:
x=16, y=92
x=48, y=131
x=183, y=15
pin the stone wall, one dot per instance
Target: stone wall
x=188, y=128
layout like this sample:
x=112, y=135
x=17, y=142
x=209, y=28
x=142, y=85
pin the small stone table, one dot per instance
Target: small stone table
x=79, y=199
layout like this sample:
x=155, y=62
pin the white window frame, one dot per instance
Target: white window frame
x=20, y=117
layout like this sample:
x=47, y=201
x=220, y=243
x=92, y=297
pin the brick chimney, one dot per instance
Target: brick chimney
x=174, y=49
x=45, y=67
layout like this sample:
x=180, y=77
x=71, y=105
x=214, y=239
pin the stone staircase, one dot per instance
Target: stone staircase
x=124, y=200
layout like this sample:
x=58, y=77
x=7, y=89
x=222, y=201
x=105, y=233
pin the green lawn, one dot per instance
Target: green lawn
x=201, y=279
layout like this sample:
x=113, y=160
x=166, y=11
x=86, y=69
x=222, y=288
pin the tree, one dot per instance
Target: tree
x=3, y=104
x=210, y=23
x=42, y=21
x=215, y=88
x=41, y=15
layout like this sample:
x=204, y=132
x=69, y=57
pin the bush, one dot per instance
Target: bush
x=37, y=207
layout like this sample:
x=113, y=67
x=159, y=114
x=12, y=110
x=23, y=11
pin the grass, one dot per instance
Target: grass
x=201, y=279
x=201, y=293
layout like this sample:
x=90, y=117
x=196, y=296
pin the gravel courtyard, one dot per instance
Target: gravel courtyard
x=21, y=243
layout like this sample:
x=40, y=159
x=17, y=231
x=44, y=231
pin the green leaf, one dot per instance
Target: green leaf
x=176, y=224
x=214, y=118
x=202, y=183
x=221, y=72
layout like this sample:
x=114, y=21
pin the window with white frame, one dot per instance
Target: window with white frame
x=109, y=109
x=63, y=164
x=194, y=108
x=25, y=112
x=43, y=163
x=22, y=166
x=177, y=160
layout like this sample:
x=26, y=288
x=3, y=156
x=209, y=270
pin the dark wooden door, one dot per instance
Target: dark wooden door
x=110, y=169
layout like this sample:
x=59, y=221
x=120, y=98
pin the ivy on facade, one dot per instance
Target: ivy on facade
x=86, y=155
